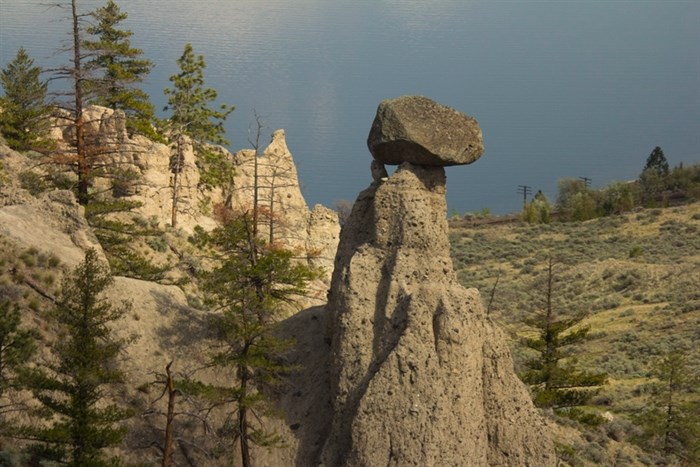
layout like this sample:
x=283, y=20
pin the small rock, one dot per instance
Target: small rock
x=378, y=170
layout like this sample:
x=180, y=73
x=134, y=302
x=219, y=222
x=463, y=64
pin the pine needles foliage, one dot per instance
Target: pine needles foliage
x=555, y=381
x=24, y=113
x=249, y=292
x=119, y=68
x=80, y=420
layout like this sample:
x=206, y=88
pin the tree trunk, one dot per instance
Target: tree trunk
x=668, y=428
x=83, y=164
x=168, y=443
x=176, y=169
x=243, y=418
x=255, y=196
x=550, y=346
x=272, y=208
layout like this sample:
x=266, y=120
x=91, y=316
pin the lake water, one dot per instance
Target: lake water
x=561, y=89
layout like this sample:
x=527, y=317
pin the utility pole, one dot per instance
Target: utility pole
x=586, y=181
x=524, y=190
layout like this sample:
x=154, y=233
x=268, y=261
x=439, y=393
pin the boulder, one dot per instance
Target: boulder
x=418, y=130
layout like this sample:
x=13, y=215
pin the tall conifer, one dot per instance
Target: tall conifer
x=119, y=67
x=193, y=119
x=17, y=346
x=554, y=383
x=250, y=291
x=23, y=109
x=670, y=422
x=83, y=421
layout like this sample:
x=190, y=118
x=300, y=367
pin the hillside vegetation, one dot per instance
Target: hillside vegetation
x=635, y=276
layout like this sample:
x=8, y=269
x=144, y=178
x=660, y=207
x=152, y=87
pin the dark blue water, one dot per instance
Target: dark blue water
x=561, y=89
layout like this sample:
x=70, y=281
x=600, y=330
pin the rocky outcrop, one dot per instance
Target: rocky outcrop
x=418, y=130
x=53, y=223
x=419, y=374
x=286, y=217
x=312, y=234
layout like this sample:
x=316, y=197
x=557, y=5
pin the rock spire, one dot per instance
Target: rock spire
x=419, y=374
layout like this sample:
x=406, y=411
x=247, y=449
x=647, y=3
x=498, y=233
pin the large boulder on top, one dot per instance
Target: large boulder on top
x=418, y=130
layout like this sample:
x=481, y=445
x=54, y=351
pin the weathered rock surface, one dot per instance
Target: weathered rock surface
x=418, y=130
x=419, y=374
x=313, y=234
x=54, y=223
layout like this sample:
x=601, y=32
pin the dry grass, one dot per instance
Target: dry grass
x=635, y=276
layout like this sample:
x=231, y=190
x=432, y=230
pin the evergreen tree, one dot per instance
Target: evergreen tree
x=554, y=384
x=657, y=162
x=192, y=118
x=671, y=421
x=82, y=422
x=654, y=179
x=17, y=346
x=117, y=233
x=251, y=290
x=122, y=68
x=23, y=109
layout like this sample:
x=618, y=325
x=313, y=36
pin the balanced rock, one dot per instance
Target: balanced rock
x=418, y=130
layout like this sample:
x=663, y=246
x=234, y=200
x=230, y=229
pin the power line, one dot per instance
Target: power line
x=586, y=181
x=524, y=190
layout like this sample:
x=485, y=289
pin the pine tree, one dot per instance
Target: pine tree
x=654, y=179
x=192, y=118
x=657, y=162
x=557, y=385
x=671, y=420
x=253, y=287
x=17, y=346
x=23, y=109
x=110, y=221
x=121, y=68
x=82, y=420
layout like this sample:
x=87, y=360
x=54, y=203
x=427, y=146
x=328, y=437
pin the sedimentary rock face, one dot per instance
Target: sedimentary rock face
x=418, y=130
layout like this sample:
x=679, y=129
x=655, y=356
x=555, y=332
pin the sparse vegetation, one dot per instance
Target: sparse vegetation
x=636, y=277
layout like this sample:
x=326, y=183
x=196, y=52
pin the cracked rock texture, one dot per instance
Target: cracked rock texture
x=419, y=374
x=418, y=130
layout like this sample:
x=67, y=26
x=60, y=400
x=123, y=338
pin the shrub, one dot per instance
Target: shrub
x=33, y=183
x=576, y=202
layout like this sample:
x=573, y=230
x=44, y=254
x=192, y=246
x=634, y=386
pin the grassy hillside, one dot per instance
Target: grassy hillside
x=637, y=278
